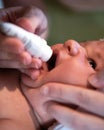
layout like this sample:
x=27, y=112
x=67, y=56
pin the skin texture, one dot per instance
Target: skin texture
x=15, y=111
x=74, y=65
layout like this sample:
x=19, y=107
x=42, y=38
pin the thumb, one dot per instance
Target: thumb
x=97, y=80
x=34, y=20
x=25, y=23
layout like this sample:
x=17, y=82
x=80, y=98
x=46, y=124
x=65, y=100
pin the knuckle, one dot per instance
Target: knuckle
x=83, y=98
x=53, y=90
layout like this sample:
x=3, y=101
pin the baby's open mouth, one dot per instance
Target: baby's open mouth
x=52, y=62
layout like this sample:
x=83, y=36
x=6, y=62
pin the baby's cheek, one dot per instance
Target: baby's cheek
x=83, y=75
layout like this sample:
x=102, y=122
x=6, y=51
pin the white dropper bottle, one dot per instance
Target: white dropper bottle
x=34, y=44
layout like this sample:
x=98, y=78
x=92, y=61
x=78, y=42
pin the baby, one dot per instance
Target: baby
x=71, y=63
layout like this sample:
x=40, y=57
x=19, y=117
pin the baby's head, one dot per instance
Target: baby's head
x=73, y=63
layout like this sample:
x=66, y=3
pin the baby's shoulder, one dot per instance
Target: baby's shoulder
x=13, y=105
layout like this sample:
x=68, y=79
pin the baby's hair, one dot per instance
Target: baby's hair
x=101, y=39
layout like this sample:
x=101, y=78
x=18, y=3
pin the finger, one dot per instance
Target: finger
x=11, y=64
x=36, y=63
x=30, y=62
x=29, y=76
x=33, y=25
x=89, y=100
x=34, y=20
x=11, y=44
x=74, y=119
x=11, y=14
x=24, y=58
x=97, y=80
x=30, y=18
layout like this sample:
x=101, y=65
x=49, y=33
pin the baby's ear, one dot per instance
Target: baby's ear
x=97, y=79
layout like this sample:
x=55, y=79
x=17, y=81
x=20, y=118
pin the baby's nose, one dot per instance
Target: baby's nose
x=72, y=47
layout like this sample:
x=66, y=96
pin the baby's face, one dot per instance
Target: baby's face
x=72, y=63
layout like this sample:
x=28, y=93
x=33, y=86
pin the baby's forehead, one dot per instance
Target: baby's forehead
x=96, y=46
x=93, y=43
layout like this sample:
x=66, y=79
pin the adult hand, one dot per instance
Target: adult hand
x=12, y=51
x=89, y=100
